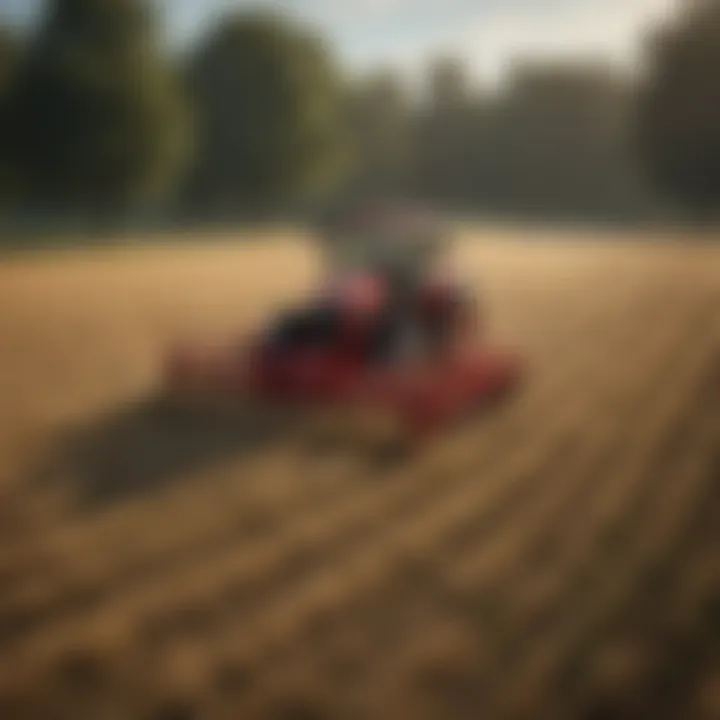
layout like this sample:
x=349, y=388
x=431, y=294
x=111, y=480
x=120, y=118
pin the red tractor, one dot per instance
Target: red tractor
x=388, y=336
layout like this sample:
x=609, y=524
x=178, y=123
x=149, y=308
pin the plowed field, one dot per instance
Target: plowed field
x=559, y=558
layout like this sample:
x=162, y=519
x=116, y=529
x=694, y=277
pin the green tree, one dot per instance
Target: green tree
x=270, y=106
x=446, y=135
x=557, y=144
x=9, y=53
x=382, y=123
x=553, y=141
x=100, y=123
x=9, y=57
x=679, y=109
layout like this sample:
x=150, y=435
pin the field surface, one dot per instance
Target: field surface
x=557, y=559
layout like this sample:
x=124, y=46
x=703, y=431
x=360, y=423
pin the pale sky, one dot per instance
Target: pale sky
x=488, y=33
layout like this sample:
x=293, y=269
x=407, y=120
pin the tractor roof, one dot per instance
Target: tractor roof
x=374, y=235
x=396, y=221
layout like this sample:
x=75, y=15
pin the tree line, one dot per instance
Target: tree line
x=98, y=120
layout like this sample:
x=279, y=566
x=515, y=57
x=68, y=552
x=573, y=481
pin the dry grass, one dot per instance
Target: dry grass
x=558, y=559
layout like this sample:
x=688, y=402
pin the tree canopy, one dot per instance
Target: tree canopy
x=557, y=143
x=9, y=53
x=381, y=121
x=9, y=60
x=97, y=117
x=269, y=102
x=679, y=109
x=99, y=122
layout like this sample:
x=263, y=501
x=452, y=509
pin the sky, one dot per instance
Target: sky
x=489, y=34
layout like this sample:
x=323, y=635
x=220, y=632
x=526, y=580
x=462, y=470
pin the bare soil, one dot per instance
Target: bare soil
x=559, y=558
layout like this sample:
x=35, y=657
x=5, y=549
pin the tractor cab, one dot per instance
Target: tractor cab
x=385, y=280
x=399, y=244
